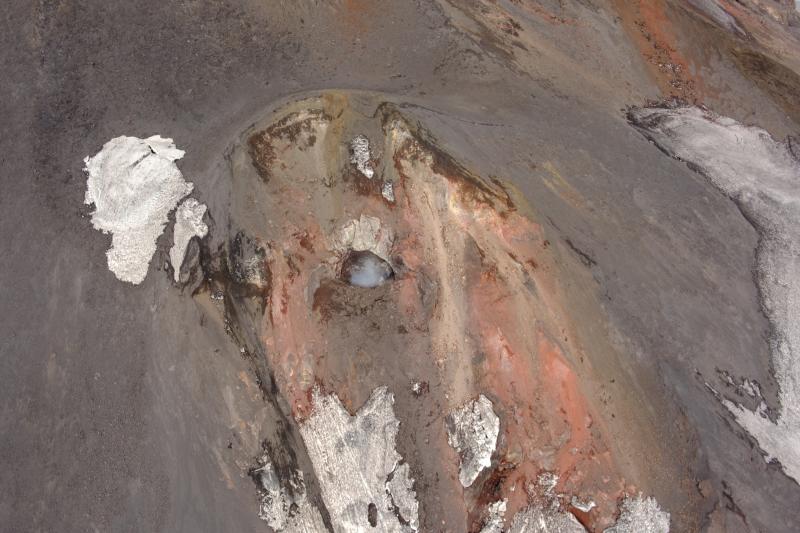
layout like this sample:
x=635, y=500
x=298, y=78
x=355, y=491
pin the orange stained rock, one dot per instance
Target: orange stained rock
x=356, y=15
x=291, y=337
x=649, y=26
x=547, y=424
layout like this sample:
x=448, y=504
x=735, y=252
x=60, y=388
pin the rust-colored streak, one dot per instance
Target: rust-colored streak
x=649, y=26
x=356, y=15
x=548, y=16
x=547, y=424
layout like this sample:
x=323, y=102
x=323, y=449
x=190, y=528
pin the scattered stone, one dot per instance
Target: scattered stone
x=472, y=431
x=248, y=262
x=496, y=514
x=361, y=157
x=751, y=388
x=640, y=515
x=356, y=464
x=188, y=223
x=419, y=387
x=546, y=483
x=134, y=184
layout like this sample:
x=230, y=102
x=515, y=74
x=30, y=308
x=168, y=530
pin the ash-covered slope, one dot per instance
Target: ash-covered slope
x=432, y=213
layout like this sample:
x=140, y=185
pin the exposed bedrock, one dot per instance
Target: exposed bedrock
x=441, y=298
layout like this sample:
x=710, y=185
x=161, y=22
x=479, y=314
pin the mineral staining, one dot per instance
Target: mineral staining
x=357, y=464
x=763, y=177
x=361, y=156
x=134, y=184
x=188, y=223
x=472, y=431
x=641, y=515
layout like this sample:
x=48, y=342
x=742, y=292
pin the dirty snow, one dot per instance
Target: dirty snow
x=763, y=178
x=134, y=184
x=537, y=519
x=582, y=505
x=640, y=515
x=356, y=463
x=365, y=234
x=367, y=270
x=387, y=191
x=286, y=509
x=472, y=431
x=546, y=483
x=402, y=495
x=361, y=156
x=188, y=223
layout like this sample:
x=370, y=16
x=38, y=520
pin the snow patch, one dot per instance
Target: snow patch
x=356, y=464
x=188, y=223
x=402, y=495
x=641, y=515
x=387, y=191
x=365, y=234
x=285, y=508
x=582, y=505
x=537, y=519
x=763, y=177
x=134, y=184
x=472, y=431
x=361, y=156
x=496, y=514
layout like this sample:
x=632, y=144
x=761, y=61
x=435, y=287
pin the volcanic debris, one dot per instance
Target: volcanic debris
x=285, y=508
x=472, y=431
x=188, y=223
